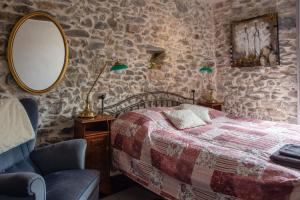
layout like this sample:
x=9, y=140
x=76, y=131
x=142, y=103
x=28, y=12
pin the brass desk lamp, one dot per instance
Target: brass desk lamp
x=88, y=112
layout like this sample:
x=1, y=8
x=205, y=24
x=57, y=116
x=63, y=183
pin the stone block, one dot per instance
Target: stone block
x=78, y=33
x=101, y=25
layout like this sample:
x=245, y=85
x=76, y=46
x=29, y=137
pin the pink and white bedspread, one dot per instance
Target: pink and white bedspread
x=228, y=159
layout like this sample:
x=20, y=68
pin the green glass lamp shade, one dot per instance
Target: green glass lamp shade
x=206, y=70
x=118, y=67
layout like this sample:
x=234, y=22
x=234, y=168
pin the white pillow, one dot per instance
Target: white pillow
x=200, y=111
x=183, y=119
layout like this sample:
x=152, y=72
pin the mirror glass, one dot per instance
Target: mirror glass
x=37, y=53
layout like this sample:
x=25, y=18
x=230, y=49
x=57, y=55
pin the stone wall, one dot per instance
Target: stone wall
x=193, y=33
x=259, y=92
x=98, y=29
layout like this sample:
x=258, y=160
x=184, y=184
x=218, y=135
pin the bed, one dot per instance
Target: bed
x=227, y=159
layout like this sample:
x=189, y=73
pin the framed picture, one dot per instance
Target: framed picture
x=255, y=42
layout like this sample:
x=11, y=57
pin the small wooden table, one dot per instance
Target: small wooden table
x=216, y=105
x=96, y=131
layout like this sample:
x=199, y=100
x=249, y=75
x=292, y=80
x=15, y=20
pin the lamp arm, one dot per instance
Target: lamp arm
x=91, y=89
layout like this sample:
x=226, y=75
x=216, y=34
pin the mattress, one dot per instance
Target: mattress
x=227, y=159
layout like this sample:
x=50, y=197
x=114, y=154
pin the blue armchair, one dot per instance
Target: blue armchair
x=55, y=172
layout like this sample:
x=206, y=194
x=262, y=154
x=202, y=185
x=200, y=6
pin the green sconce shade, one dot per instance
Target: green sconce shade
x=118, y=67
x=206, y=70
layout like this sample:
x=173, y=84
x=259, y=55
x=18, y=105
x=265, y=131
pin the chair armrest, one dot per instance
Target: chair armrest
x=60, y=156
x=23, y=184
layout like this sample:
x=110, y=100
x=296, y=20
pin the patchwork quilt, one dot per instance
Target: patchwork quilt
x=227, y=159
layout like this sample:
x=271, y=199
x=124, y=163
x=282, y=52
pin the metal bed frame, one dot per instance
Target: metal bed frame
x=146, y=100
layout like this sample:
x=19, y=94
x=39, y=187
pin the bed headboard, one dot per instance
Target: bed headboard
x=147, y=100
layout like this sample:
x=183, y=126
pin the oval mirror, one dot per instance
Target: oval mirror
x=37, y=52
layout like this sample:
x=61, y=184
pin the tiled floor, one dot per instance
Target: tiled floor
x=133, y=193
x=125, y=189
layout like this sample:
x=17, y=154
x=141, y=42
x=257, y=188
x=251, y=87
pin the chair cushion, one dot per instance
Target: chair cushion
x=18, y=154
x=71, y=184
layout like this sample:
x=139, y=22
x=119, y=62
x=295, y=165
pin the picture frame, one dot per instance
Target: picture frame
x=255, y=42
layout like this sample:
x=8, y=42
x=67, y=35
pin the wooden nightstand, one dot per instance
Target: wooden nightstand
x=216, y=106
x=96, y=131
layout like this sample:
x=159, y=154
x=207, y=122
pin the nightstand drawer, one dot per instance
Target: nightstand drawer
x=216, y=106
x=97, y=149
x=97, y=140
x=96, y=131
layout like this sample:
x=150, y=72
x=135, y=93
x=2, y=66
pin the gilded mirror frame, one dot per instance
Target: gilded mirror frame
x=11, y=65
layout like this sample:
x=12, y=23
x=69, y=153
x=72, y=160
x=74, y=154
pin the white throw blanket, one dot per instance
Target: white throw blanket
x=15, y=126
